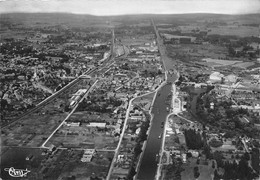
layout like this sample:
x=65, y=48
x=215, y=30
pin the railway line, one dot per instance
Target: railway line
x=88, y=74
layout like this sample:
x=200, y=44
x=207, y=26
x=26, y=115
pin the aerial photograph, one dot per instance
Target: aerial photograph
x=130, y=89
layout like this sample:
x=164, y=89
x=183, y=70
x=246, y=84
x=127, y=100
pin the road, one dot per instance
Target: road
x=120, y=140
x=73, y=110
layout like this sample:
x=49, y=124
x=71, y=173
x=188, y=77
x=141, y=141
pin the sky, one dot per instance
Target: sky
x=121, y=7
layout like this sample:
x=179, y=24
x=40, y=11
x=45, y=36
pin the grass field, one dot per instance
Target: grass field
x=219, y=62
x=206, y=171
x=242, y=31
x=16, y=157
x=98, y=167
x=243, y=64
x=84, y=137
x=33, y=129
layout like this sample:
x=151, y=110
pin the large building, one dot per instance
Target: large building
x=216, y=77
x=178, y=39
x=231, y=78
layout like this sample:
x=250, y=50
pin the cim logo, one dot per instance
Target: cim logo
x=17, y=172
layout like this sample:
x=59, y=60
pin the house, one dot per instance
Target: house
x=88, y=155
x=184, y=158
x=194, y=153
x=73, y=124
x=97, y=124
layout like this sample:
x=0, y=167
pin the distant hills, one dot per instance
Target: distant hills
x=53, y=18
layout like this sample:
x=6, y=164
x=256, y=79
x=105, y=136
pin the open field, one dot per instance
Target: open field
x=98, y=167
x=205, y=169
x=84, y=136
x=137, y=40
x=243, y=65
x=195, y=52
x=242, y=31
x=16, y=157
x=32, y=130
x=219, y=62
x=55, y=165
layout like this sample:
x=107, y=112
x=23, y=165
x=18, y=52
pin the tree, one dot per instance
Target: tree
x=215, y=143
x=247, y=156
x=193, y=139
x=131, y=173
x=207, y=152
x=256, y=159
x=198, y=161
x=218, y=156
x=196, y=172
x=213, y=164
x=216, y=175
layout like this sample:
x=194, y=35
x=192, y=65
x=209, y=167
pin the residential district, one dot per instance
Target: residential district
x=154, y=97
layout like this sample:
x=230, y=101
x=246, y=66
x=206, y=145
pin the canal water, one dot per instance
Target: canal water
x=148, y=166
x=149, y=161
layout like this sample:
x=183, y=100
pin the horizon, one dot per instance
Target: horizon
x=69, y=13
x=131, y=7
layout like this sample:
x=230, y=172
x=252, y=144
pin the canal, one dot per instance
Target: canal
x=148, y=164
x=149, y=161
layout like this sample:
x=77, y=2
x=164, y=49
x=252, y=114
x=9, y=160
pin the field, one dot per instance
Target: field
x=84, y=136
x=98, y=167
x=137, y=40
x=195, y=52
x=205, y=169
x=33, y=129
x=242, y=31
x=55, y=165
x=219, y=62
x=25, y=132
x=16, y=157
x=244, y=65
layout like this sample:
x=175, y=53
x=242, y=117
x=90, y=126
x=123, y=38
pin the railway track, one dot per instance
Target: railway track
x=49, y=99
x=90, y=73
